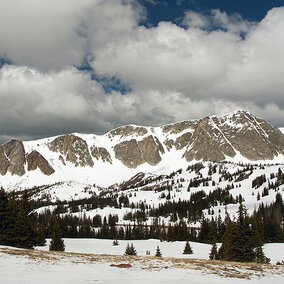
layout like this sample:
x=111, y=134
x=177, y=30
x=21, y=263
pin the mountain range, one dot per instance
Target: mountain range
x=127, y=150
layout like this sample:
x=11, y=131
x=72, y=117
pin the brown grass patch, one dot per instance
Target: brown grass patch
x=221, y=268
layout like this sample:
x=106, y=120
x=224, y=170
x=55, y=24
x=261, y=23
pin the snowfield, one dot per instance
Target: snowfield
x=93, y=258
x=275, y=251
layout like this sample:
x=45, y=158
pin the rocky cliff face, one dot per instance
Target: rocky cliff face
x=12, y=158
x=73, y=148
x=36, y=160
x=101, y=153
x=209, y=139
x=132, y=153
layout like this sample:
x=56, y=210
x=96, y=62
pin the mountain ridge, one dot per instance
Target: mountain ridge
x=124, y=151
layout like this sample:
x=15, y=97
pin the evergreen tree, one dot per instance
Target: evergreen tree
x=187, y=248
x=15, y=228
x=213, y=253
x=130, y=250
x=259, y=255
x=158, y=252
x=4, y=218
x=41, y=236
x=56, y=243
x=239, y=240
x=24, y=235
x=204, y=231
x=212, y=235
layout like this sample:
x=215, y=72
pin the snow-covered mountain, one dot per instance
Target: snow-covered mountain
x=125, y=151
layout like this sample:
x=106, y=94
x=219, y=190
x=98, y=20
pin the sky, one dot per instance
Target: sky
x=92, y=65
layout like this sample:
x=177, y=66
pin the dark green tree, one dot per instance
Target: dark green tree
x=239, y=240
x=158, y=252
x=130, y=250
x=260, y=256
x=187, y=248
x=4, y=218
x=204, y=231
x=15, y=228
x=24, y=235
x=56, y=243
x=213, y=253
x=41, y=241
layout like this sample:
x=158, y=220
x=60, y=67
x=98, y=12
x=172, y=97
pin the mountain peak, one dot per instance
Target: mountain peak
x=129, y=149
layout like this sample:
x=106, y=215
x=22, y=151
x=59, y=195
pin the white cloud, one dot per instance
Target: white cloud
x=52, y=34
x=175, y=73
x=217, y=19
x=203, y=64
x=36, y=104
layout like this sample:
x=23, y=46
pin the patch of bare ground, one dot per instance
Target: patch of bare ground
x=221, y=268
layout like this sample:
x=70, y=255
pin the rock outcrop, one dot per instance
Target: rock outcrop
x=128, y=130
x=36, y=160
x=12, y=158
x=101, y=153
x=253, y=137
x=132, y=153
x=73, y=148
x=208, y=143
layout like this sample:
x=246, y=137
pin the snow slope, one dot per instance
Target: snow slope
x=33, y=267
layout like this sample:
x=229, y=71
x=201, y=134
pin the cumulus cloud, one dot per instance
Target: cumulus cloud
x=51, y=34
x=35, y=104
x=217, y=19
x=202, y=64
x=174, y=73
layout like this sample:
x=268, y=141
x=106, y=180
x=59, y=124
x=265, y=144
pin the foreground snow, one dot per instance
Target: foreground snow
x=275, y=251
x=35, y=266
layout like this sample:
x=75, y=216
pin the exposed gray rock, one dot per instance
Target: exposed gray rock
x=169, y=143
x=208, y=143
x=150, y=150
x=12, y=158
x=129, y=154
x=36, y=160
x=128, y=130
x=101, y=153
x=4, y=162
x=132, y=153
x=179, y=127
x=253, y=137
x=183, y=140
x=74, y=148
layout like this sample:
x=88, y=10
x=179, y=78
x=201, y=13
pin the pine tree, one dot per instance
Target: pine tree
x=260, y=256
x=15, y=225
x=213, y=253
x=41, y=236
x=130, y=250
x=24, y=236
x=4, y=217
x=239, y=240
x=187, y=248
x=56, y=243
x=158, y=252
